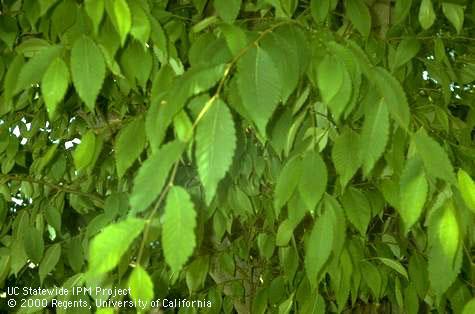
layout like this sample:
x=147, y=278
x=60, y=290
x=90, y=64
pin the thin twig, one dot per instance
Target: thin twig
x=63, y=188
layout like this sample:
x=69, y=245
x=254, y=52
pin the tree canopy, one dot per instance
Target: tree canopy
x=312, y=156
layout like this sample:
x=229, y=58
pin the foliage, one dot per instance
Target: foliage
x=268, y=156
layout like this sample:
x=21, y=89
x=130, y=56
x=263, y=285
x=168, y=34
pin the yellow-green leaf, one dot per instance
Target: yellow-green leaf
x=413, y=192
x=335, y=85
x=54, y=85
x=345, y=162
x=129, y=144
x=49, y=261
x=319, y=246
x=287, y=182
x=393, y=95
x=320, y=10
x=259, y=85
x=395, y=265
x=445, y=254
x=426, y=14
x=141, y=286
x=434, y=157
x=357, y=209
x=359, y=15
x=34, y=69
x=374, y=137
x=119, y=13
x=313, y=181
x=455, y=14
x=469, y=307
x=215, y=145
x=141, y=26
x=153, y=173
x=84, y=152
x=467, y=188
x=107, y=248
x=179, y=222
x=406, y=50
x=88, y=70
x=95, y=11
x=227, y=10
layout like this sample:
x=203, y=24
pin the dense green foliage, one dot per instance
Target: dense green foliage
x=281, y=156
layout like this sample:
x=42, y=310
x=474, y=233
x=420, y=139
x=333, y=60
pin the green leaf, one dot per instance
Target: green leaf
x=372, y=277
x=467, y=189
x=284, y=232
x=418, y=274
x=10, y=80
x=54, y=85
x=88, y=70
x=334, y=82
x=95, y=11
x=199, y=5
x=395, y=265
x=455, y=14
x=141, y=285
x=107, y=248
x=235, y=37
x=426, y=14
x=136, y=63
x=359, y=15
x=53, y=217
x=407, y=49
x=179, y=222
x=193, y=82
x=357, y=209
x=129, y=144
x=84, y=152
x=445, y=254
x=343, y=155
x=228, y=10
x=141, y=26
x=280, y=49
x=34, y=244
x=393, y=95
x=374, y=136
x=320, y=10
x=119, y=13
x=215, y=145
x=287, y=182
x=151, y=177
x=435, y=159
x=51, y=258
x=315, y=304
x=32, y=72
x=402, y=10
x=45, y=5
x=286, y=306
x=260, y=86
x=469, y=307
x=319, y=246
x=266, y=245
x=313, y=181
x=413, y=192
x=197, y=272
x=76, y=254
